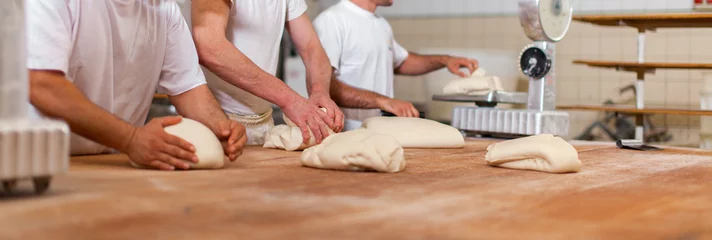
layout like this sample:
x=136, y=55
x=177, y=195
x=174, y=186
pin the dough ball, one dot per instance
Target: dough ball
x=289, y=137
x=416, y=132
x=358, y=150
x=208, y=148
x=545, y=153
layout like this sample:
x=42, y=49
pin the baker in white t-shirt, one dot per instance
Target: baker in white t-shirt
x=365, y=56
x=97, y=64
x=239, y=42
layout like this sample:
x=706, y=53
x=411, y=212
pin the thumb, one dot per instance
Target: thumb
x=168, y=121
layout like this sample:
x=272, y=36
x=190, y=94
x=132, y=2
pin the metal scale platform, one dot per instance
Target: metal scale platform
x=545, y=22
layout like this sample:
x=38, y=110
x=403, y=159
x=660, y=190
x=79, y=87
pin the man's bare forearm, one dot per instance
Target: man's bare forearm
x=233, y=66
x=312, y=53
x=200, y=105
x=352, y=97
x=53, y=95
x=224, y=59
x=417, y=64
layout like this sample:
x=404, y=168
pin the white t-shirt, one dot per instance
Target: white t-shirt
x=117, y=52
x=255, y=27
x=362, y=49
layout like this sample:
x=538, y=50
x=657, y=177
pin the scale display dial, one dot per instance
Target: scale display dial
x=534, y=62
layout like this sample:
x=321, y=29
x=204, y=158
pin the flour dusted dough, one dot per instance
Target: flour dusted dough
x=357, y=150
x=544, y=153
x=478, y=83
x=208, y=148
x=289, y=137
x=416, y=132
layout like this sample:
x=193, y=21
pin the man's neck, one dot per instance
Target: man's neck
x=366, y=5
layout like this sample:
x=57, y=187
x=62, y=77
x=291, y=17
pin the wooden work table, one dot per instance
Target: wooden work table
x=442, y=194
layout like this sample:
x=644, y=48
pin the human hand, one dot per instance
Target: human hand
x=308, y=117
x=152, y=146
x=322, y=100
x=399, y=108
x=232, y=136
x=455, y=63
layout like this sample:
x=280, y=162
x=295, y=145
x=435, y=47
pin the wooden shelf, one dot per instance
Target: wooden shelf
x=651, y=21
x=633, y=111
x=160, y=96
x=643, y=67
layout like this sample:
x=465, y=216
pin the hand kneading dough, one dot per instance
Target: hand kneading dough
x=476, y=84
x=289, y=137
x=416, y=132
x=208, y=148
x=357, y=150
x=544, y=153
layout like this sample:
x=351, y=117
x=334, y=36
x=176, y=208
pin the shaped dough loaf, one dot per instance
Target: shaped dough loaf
x=289, y=137
x=208, y=148
x=357, y=150
x=416, y=132
x=478, y=83
x=544, y=153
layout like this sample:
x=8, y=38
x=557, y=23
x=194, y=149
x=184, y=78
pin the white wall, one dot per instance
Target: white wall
x=411, y=8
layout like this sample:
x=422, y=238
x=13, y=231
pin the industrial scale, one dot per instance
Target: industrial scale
x=31, y=148
x=545, y=22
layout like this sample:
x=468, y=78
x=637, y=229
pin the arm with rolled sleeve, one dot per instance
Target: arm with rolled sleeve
x=408, y=63
x=184, y=82
x=49, y=31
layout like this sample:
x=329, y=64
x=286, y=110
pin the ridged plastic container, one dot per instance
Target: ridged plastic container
x=30, y=147
x=33, y=148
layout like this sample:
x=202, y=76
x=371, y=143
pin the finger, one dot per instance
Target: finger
x=415, y=111
x=235, y=131
x=453, y=69
x=223, y=130
x=161, y=166
x=339, y=119
x=168, y=121
x=326, y=119
x=179, y=153
x=315, y=126
x=475, y=64
x=167, y=159
x=471, y=66
x=179, y=142
x=305, y=131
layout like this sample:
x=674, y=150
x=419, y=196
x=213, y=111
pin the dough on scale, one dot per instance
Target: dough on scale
x=416, y=132
x=477, y=84
x=545, y=153
x=208, y=148
x=357, y=150
x=289, y=137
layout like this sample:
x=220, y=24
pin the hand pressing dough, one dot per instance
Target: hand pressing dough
x=208, y=148
x=544, y=153
x=289, y=137
x=357, y=150
x=416, y=132
x=477, y=84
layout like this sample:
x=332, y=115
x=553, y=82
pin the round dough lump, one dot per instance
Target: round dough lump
x=208, y=148
x=289, y=137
